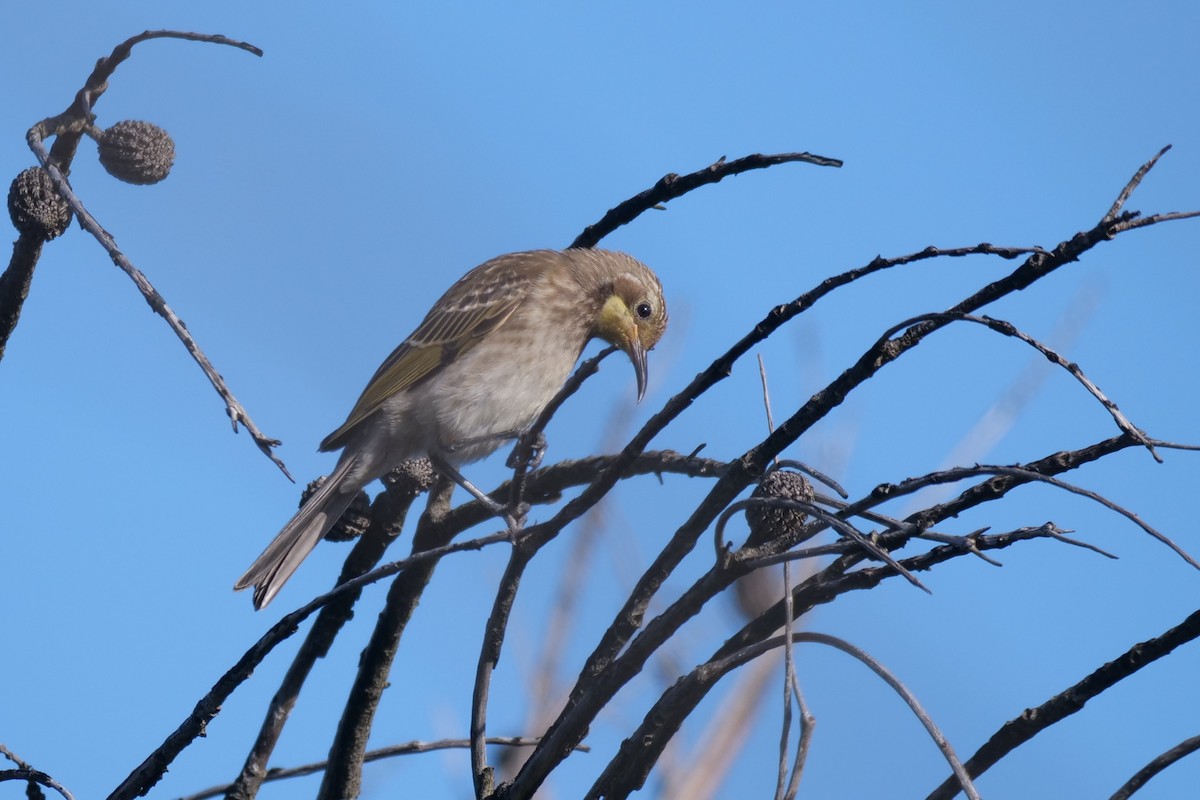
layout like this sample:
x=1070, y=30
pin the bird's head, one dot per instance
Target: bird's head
x=634, y=317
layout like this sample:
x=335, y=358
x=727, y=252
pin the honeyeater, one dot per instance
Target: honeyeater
x=477, y=371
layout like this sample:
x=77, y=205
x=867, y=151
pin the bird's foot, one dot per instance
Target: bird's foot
x=528, y=452
x=514, y=518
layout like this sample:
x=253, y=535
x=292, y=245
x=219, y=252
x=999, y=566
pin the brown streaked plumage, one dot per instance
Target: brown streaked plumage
x=485, y=361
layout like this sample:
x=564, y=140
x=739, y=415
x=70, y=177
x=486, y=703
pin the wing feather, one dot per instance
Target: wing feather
x=479, y=303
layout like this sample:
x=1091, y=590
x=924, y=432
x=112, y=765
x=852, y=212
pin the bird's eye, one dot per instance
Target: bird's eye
x=644, y=310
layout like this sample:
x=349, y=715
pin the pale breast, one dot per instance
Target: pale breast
x=499, y=387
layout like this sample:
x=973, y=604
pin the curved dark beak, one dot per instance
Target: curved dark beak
x=637, y=354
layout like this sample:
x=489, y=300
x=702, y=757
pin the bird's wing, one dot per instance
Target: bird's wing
x=477, y=304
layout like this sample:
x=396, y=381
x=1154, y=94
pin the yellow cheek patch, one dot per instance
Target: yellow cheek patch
x=614, y=322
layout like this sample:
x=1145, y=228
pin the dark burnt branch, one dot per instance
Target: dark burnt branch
x=672, y=186
x=482, y=775
x=680, y=701
x=343, y=775
x=1033, y=721
x=1161, y=762
x=818, y=589
x=591, y=692
x=142, y=779
x=15, y=283
x=388, y=511
x=392, y=751
x=34, y=778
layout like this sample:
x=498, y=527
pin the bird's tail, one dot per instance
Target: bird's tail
x=299, y=536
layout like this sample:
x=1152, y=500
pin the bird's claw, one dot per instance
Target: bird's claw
x=530, y=449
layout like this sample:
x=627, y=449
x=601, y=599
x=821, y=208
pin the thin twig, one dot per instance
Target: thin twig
x=67, y=128
x=782, y=784
x=909, y=698
x=234, y=409
x=808, y=724
x=1008, y=329
x=627, y=772
x=837, y=523
x=813, y=473
x=405, y=749
x=1022, y=472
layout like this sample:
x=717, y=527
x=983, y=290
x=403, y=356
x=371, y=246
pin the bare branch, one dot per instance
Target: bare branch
x=1161, y=762
x=627, y=772
x=1033, y=721
x=402, y=486
x=405, y=749
x=34, y=776
x=236, y=412
x=572, y=723
x=15, y=283
x=343, y=776
x=489, y=657
x=68, y=127
x=1134, y=182
x=1008, y=329
x=837, y=523
x=671, y=186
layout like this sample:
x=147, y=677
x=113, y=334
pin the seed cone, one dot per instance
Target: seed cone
x=137, y=152
x=768, y=522
x=35, y=208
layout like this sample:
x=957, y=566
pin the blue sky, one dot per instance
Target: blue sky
x=326, y=194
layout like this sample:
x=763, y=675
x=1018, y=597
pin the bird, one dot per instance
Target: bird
x=489, y=356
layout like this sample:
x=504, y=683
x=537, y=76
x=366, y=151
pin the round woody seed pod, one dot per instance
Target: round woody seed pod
x=768, y=522
x=136, y=152
x=354, y=520
x=413, y=476
x=35, y=208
